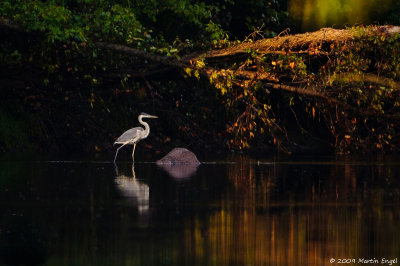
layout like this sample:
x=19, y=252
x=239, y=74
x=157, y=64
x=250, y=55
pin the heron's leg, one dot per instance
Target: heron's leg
x=133, y=152
x=133, y=171
x=116, y=153
x=116, y=169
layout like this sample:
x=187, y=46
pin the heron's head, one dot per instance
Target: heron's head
x=144, y=115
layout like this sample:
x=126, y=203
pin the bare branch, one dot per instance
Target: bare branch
x=7, y=23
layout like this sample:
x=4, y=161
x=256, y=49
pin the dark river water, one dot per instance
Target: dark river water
x=235, y=211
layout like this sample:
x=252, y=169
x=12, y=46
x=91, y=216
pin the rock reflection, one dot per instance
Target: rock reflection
x=135, y=190
x=179, y=163
x=179, y=171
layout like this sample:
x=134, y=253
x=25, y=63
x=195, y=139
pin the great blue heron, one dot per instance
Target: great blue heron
x=134, y=135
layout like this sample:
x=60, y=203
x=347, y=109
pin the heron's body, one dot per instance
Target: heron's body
x=134, y=135
x=127, y=135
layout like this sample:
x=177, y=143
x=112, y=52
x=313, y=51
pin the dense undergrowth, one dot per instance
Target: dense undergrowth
x=63, y=89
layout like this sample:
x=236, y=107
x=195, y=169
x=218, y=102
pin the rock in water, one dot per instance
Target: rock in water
x=179, y=163
x=179, y=156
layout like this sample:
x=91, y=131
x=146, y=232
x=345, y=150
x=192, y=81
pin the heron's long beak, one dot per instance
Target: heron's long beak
x=151, y=116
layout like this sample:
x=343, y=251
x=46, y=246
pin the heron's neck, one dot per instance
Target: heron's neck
x=146, y=126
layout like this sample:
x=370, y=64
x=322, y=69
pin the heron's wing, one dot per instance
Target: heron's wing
x=129, y=135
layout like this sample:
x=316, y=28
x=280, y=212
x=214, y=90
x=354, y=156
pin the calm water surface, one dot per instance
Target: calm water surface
x=238, y=211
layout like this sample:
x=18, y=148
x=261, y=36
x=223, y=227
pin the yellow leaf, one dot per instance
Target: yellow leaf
x=200, y=63
x=188, y=71
x=197, y=74
x=291, y=65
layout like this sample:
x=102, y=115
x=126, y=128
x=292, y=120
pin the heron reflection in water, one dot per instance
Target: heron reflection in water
x=133, y=189
x=134, y=135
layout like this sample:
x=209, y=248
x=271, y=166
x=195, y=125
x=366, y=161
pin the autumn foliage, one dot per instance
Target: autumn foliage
x=74, y=75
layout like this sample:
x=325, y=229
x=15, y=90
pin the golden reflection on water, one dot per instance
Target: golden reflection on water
x=343, y=218
x=246, y=213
